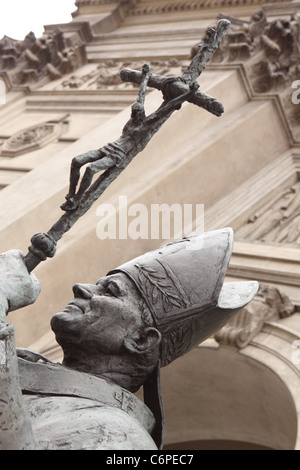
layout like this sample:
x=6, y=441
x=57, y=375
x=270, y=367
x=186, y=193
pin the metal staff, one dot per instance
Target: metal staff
x=136, y=134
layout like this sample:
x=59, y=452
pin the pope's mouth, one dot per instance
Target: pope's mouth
x=74, y=305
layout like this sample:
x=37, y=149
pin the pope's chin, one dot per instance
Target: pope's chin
x=66, y=325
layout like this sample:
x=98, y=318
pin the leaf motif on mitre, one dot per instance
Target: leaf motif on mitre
x=158, y=287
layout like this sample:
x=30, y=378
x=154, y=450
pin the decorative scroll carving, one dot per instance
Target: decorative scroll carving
x=33, y=59
x=32, y=138
x=107, y=76
x=276, y=222
x=268, y=305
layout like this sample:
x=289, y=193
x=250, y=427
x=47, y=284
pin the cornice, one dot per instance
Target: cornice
x=106, y=3
x=153, y=7
x=80, y=3
x=179, y=6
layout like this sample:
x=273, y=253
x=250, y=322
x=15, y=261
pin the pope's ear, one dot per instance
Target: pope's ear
x=144, y=343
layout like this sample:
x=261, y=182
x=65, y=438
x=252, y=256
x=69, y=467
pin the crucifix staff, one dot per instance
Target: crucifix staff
x=174, y=86
x=115, y=157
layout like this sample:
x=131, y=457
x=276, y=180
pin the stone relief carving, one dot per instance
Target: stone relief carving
x=271, y=50
x=106, y=76
x=278, y=221
x=269, y=304
x=33, y=137
x=270, y=54
x=33, y=59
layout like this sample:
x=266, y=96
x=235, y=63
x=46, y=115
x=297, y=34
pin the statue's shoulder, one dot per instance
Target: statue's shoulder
x=71, y=409
x=76, y=423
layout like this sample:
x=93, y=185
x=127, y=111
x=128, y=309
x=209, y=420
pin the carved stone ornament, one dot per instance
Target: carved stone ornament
x=269, y=50
x=269, y=304
x=32, y=59
x=32, y=138
x=278, y=221
x=107, y=76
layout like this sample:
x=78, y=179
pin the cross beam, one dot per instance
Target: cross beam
x=172, y=87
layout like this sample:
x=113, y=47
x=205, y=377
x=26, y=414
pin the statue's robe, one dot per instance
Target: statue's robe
x=72, y=410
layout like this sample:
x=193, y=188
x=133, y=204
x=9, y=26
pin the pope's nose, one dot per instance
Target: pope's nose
x=82, y=291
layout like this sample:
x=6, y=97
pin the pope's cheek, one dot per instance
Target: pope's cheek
x=105, y=310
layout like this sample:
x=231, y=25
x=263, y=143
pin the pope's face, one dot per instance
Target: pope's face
x=100, y=316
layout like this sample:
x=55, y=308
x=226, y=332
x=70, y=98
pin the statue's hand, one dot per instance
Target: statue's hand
x=18, y=288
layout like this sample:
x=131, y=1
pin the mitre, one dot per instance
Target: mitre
x=182, y=285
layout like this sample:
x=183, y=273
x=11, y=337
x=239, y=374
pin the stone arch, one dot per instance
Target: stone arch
x=241, y=400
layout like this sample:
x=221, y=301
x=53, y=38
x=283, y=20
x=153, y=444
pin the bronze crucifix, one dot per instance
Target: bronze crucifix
x=115, y=157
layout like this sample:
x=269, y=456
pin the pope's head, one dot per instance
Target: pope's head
x=106, y=330
x=151, y=310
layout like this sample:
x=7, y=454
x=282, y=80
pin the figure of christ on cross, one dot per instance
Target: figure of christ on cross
x=141, y=128
x=135, y=136
x=114, y=157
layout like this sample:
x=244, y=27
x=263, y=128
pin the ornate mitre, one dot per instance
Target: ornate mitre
x=183, y=286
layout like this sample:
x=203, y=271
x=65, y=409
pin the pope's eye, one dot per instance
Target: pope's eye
x=111, y=290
